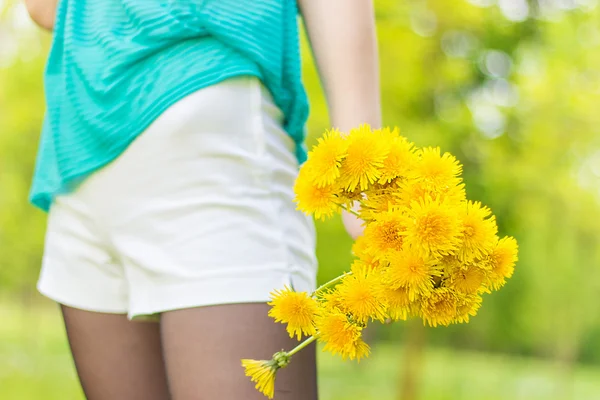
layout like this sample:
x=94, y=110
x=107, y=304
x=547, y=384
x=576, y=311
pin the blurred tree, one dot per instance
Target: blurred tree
x=21, y=111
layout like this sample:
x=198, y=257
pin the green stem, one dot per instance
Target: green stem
x=330, y=283
x=351, y=211
x=302, y=345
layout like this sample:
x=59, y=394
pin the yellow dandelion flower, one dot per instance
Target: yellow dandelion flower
x=360, y=248
x=324, y=160
x=311, y=199
x=440, y=307
x=388, y=134
x=362, y=294
x=386, y=233
x=369, y=265
x=479, y=231
x=362, y=251
x=400, y=158
x=348, y=197
x=435, y=169
x=411, y=270
x=262, y=372
x=410, y=191
x=454, y=195
x=502, y=260
x=341, y=336
x=296, y=309
x=385, y=188
x=377, y=201
x=361, y=350
x=365, y=155
x=449, y=263
x=413, y=190
x=467, y=306
x=435, y=228
x=330, y=301
x=398, y=303
x=467, y=279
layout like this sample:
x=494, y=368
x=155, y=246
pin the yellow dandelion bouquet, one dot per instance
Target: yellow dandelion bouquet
x=426, y=251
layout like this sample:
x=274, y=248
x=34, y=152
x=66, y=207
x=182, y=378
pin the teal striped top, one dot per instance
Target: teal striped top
x=116, y=65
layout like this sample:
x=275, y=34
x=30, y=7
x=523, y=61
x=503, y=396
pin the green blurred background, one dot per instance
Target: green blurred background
x=512, y=88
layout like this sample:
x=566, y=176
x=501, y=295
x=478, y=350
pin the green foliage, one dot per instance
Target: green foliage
x=36, y=363
x=516, y=101
x=21, y=112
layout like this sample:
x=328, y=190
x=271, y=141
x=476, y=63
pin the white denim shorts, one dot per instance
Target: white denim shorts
x=197, y=211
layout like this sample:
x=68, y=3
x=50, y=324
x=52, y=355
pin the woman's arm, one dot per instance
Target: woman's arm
x=42, y=12
x=344, y=43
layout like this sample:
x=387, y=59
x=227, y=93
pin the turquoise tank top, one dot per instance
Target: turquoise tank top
x=116, y=65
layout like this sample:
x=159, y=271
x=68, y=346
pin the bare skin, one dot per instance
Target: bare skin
x=42, y=12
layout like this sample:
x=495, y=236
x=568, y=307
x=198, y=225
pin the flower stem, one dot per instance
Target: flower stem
x=302, y=345
x=331, y=282
x=351, y=211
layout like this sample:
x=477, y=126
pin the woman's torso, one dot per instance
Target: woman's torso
x=116, y=65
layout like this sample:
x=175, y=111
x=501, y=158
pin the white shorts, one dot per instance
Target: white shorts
x=197, y=211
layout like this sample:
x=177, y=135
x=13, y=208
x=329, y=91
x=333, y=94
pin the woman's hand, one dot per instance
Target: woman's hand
x=42, y=12
x=344, y=43
x=353, y=225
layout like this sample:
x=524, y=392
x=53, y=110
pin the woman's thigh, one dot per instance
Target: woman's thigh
x=203, y=348
x=116, y=359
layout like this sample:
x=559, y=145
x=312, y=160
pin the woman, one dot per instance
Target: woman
x=172, y=138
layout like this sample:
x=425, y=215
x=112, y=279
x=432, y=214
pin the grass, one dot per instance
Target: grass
x=35, y=364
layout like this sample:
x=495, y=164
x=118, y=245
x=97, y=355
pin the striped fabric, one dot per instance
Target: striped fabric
x=116, y=65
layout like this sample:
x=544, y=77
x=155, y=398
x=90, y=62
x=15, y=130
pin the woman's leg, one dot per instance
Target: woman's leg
x=203, y=348
x=116, y=359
